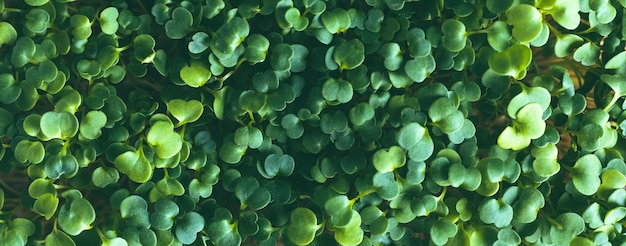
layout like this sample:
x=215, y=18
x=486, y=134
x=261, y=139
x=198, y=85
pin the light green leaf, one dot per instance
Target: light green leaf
x=135, y=166
x=196, y=74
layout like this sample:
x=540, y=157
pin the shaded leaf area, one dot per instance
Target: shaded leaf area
x=312, y=122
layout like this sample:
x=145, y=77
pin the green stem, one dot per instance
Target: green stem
x=362, y=194
x=610, y=105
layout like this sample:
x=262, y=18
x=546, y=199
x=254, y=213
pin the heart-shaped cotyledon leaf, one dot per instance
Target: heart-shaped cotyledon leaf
x=545, y=163
x=526, y=20
x=336, y=20
x=92, y=124
x=195, y=75
x=37, y=20
x=185, y=111
x=527, y=125
x=512, y=61
x=27, y=151
x=349, y=54
x=337, y=90
x=586, y=174
x=229, y=36
x=61, y=125
x=387, y=160
x=297, y=21
x=496, y=212
x=188, y=226
x=564, y=12
x=135, y=165
x=77, y=214
x=108, y=20
x=454, y=36
x=9, y=34
x=276, y=164
x=303, y=226
x=163, y=139
x=256, y=48
x=180, y=24
x=10, y=90
x=445, y=115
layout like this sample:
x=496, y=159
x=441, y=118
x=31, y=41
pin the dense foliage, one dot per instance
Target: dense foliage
x=322, y=122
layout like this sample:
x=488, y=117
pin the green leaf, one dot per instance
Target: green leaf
x=249, y=193
x=230, y=152
x=103, y=176
x=180, y=24
x=303, y=227
x=280, y=58
x=46, y=205
x=257, y=48
x=229, y=36
x=108, y=20
x=336, y=21
x=143, y=45
x=545, y=163
x=349, y=54
x=586, y=174
x=566, y=227
x=185, y=111
x=170, y=186
x=276, y=164
x=92, y=124
x=62, y=125
x=442, y=230
x=566, y=43
x=529, y=202
x=361, y=113
x=163, y=139
x=76, y=216
x=188, y=226
x=134, y=211
x=200, y=42
x=27, y=151
x=418, y=69
x=512, y=61
x=588, y=54
x=6, y=121
x=454, y=36
x=135, y=165
x=36, y=3
x=337, y=90
x=58, y=165
x=165, y=211
x=526, y=21
x=351, y=234
x=445, y=115
x=499, y=35
x=58, y=238
x=251, y=101
x=616, y=62
x=392, y=54
x=37, y=20
x=527, y=125
x=499, y=6
x=293, y=17
x=81, y=26
x=248, y=136
x=9, y=35
x=195, y=75
x=565, y=13
x=9, y=89
x=23, y=51
x=387, y=160
x=496, y=212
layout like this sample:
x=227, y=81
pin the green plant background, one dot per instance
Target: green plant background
x=321, y=122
